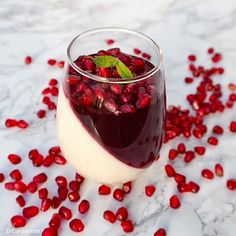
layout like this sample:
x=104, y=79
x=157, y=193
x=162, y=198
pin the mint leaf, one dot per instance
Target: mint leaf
x=123, y=70
x=105, y=61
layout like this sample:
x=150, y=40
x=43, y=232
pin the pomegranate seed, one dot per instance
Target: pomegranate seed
x=55, y=203
x=41, y=114
x=52, y=62
x=232, y=126
x=200, y=150
x=46, y=100
x=192, y=67
x=104, y=190
x=181, y=148
x=109, y=216
x=43, y=193
x=127, y=187
x=232, y=86
x=10, y=123
x=122, y=214
x=2, y=177
x=61, y=181
x=62, y=193
x=31, y=211
x=60, y=160
x=175, y=202
x=49, y=232
x=189, y=156
x=22, y=124
x=74, y=196
x=61, y=64
x=52, y=106
x=40, y=178
x=160, y=232
x=52, y=82
x=33, y=154
x=137, y=51
x=79, y=178
x=173, y=154
x=170, y=171
x=14, y=159
x=212, y=141
x=210, y=50
x=9, y=186
x=16, y=174
x=231, y=184
x=65, y=213
x=48, y=160
x=194, y=187
x=74, y=185
x=119, y=194
x=84, y=206
x=76, y=225
x=179, y=178
x=144, y=101
x=208, y=174
x=217, y=57
x=46, y=91
x=18, y=221
x=38, y=161
x=149, y=190
x=183, y=187
x=20, y=201
x=28, y=60
x=32, y=187
x=55, y=221
x=218, y=129
x=219, y=170
x=54, y=150
x=110, y=41
x=45, y=204
x=192, y=58
x=20, y=186
x=127, y=226
x=54, y=91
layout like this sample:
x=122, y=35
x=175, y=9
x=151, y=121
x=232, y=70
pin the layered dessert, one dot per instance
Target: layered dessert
x=110, y=115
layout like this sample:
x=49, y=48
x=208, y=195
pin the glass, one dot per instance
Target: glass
x=110, y=129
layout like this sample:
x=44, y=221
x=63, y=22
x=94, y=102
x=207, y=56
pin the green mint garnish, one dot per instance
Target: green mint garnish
x=110, y=61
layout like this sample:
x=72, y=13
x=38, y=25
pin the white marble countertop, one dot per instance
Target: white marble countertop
x=43, y=29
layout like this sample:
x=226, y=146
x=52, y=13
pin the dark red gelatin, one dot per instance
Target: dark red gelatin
x=124, y=118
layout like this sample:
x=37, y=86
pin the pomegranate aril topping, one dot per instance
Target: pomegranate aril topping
x=49, y=232
x=62, y=193
x=52, y=62
x=231, y=184
x=20, y=186
x=111, y=105
x=28, y=60
x=40, y=178
x=76, y=225
x=122, y=214
x=55, y=221
x=127, y=187
x=61, y=181
x=43, y=193
x=14, y=159
x=150, y=190
x=127, y=108
x=212, y=141
x=160, y=232
x=137, y=51
x=232, y=126
x=84, y=206
x=60, y=160
x=208, y=174
x=170, y=171
x=55, y=203
x=181, y=148
x=175, y=202
x=65, y=213
x=189, y=156
x=74, y=196
x=30, y=211
x=20, y=201
x=219, y=170
x=104, y=190
x=173, y=154
x=45, y=204
x=144, y=101
x=10, y=123
x=200, y=150
x=41, y=114
x=119, y=194
x=16, y=174
x=127, y=226
x=22, y=124
x=32, y=187
x=218, y=129
x=18, y=221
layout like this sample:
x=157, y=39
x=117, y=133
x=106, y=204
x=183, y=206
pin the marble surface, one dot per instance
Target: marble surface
x=43, y=29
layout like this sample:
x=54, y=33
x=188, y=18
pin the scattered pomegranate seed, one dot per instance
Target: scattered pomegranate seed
x=231, y=184
x=183, y=187
x=9, y=186
x=181, y=148
x=110, y=41
x=210, y=50
x=232, y=126
x=137, y=51
x=45, y=204
x=2, y=177
x=218, y=129
x=61, y=64
x=14, y=159
x=18, y=221
x=76, y=225
x=212, y=141
x=160, y=232
x=79, y=178
x=10, y=123
x=20, y=186
x=84, y=206
x=52, y=62
x=208, y=174
x=127, y=187
x=20, y=201
x=189, y=156
x=49, y=232
x=60, y=160
x=41, y=114
x=200, y=150
x=22, y=124
x=28, y=60
x=192, y=58
x=62, y=193
x=127, y=226
x=16, y=174
x=32, y=187
x=31, y=211
x=65, y=213
x=46, y=91
x=219, y=170
x=217, y=57
x=188, y=80
x=149, y=190
x=54, y=150
x=179, y=178
x=48, y=160
x=109, y=216
x=74, y=196
x=43, y=193
x=122, y=214
x=119, y=194
x=74, y=185
x=40, y=178
x=194, y=187
x=53, y=82
x=61, y=181
x=104, y=190
x=232, y=87
x=175, y=202
x=55, y=203
x=170, y=171
x=38, y=160
x=55, y=221
x=173, y=154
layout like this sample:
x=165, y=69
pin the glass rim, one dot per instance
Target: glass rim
x=115, y=80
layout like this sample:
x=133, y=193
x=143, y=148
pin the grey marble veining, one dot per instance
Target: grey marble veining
x=43, y=29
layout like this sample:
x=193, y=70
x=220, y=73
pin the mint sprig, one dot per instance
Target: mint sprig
x=110, y=61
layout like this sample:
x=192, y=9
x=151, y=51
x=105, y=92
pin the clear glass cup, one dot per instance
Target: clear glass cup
x=110, y=129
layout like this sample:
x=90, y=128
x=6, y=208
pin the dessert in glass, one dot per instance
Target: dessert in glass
x=111, y=104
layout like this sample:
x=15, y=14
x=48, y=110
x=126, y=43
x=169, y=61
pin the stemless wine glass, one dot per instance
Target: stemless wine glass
x=110, y=129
